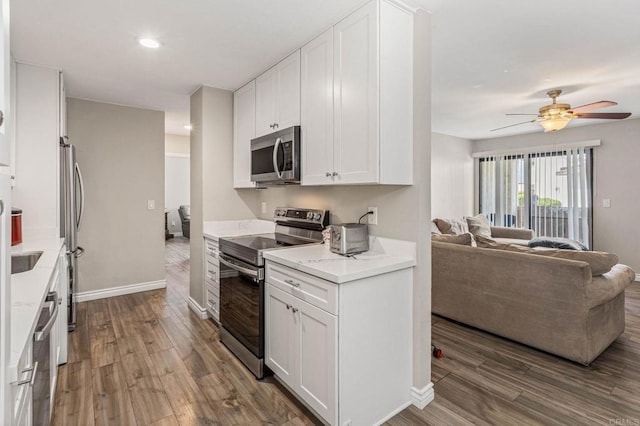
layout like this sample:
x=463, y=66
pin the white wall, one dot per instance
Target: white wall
x=176, y=188
x=212, y=193
x=121, y=153
x=452, y=177
x=176, y=144
x=615, y=229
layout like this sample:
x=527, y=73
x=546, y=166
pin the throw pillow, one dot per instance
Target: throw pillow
x=558, y=243
x=479, y=225
x=434, y=229
x=465, y=239
x=486, y=242
x=452, y=226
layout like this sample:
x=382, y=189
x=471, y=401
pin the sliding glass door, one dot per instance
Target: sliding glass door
x=549, y=192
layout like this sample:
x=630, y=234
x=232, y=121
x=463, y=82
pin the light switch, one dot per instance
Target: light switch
x=606, y=203
x=151, y=204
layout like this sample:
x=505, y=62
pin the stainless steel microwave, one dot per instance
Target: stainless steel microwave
x=275, y=158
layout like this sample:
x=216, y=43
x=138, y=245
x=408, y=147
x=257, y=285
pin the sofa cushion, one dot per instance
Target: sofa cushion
x=600, y=262
x=511, y=241
x=452, y=226
x=559, y=243
x=465, y=239
x=479, y=225
x=434, y=229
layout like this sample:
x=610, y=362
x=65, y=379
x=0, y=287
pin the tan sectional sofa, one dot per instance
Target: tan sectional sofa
x=549, y=303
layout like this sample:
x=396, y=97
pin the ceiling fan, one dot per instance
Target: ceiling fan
x=555, y=116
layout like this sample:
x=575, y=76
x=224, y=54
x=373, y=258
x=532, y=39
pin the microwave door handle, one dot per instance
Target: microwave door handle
x=275, y=158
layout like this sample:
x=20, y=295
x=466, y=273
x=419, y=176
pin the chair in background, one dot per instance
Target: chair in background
x=185, y=217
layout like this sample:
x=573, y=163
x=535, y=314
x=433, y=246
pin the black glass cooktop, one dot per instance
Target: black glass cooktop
x=257, y=242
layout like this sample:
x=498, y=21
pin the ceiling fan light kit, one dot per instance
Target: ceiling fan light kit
x=555, y=124
x=555, y=116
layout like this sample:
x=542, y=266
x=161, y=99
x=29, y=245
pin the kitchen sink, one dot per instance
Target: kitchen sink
x=24, y=262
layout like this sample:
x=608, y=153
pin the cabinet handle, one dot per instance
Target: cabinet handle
x=294, y=310
x=1, y=118
x=335, y=174
x=293, y=283
x=288, y=306
x=328, y=174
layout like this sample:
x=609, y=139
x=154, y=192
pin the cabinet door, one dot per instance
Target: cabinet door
x=317, y=354
x=5, y=84
x=279, y=335
x=356, y=97
x=316, y=108
x=244, y=129
x=266, y=86
x=288, y=92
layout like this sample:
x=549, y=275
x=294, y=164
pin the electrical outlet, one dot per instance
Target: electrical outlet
x=606, y=203
x=151, y=204
x=372, y=218
x=264, y=207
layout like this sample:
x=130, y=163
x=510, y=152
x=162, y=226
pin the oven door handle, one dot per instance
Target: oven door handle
x=275, y=158
x=231, y=264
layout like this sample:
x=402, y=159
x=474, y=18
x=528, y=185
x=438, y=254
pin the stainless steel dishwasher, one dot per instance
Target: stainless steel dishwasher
x=42, y=360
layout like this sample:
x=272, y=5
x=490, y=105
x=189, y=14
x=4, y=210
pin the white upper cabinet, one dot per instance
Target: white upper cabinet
x=316, y=110
x=278, y=96
x=371, y=120
x=5, y=85
x=244, y=125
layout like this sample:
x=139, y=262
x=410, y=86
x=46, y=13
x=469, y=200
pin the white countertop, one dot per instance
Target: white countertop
x=385, y=255
x=28, y=291
x=236, y=228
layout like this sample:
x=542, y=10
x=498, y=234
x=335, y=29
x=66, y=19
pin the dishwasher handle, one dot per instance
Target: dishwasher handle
x=52, y=300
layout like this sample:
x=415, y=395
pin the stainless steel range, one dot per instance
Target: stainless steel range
x=242, y=280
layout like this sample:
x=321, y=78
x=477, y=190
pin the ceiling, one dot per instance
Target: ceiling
x=489, y=57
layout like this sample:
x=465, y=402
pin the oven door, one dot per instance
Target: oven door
x=242, y=301
x=276, y=157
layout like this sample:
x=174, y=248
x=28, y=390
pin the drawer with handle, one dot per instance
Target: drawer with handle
x=213, y=305
x=212, y=272
x=211, y=248
x=316, y=291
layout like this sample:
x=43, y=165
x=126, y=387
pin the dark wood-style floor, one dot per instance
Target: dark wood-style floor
x=146, y=359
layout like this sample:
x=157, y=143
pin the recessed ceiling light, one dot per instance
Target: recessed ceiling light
x=188, y=126
x=149, y=42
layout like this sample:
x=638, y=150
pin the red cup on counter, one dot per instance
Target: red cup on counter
x=16, y=226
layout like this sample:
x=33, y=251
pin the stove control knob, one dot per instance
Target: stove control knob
x=316, y=216
x=309, y=215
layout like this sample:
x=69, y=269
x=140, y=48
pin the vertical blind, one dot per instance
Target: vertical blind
x=549, y=192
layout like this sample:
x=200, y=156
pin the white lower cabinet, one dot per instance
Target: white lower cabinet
x=301, y=349
x=22, y=389
x=344, y=350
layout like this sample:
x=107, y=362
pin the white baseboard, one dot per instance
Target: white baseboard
x=119, y=291
x=638, y=277
x=199, y=310
x=422, y=397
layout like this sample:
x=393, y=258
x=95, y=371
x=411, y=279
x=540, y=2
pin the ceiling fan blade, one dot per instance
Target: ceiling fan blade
x=512, y=125
x=606, y=115
x=510, y=113
x=592, y=106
